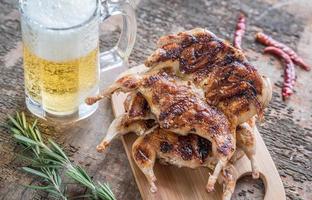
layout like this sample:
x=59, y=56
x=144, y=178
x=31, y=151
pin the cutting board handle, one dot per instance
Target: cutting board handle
x=274, y=188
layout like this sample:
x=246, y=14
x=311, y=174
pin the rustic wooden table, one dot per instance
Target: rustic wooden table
x=287, y=129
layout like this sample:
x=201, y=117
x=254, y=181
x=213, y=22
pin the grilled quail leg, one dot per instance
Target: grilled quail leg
x=228, y=178
x=137, y=119
x=121, y=126
x=144, y=156
x=247, y=142
x=127, y=83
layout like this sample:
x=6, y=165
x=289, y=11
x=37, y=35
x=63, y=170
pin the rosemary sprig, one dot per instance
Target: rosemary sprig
x=49, y=160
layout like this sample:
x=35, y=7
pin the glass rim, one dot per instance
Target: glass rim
x=95, y=13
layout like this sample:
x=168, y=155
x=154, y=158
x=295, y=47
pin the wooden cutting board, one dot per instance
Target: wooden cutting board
x=183, y=183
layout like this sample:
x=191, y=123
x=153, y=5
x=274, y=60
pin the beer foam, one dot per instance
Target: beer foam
x=42, y=16
x=59, y=13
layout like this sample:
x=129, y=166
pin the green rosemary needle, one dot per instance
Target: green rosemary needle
x=47, y=161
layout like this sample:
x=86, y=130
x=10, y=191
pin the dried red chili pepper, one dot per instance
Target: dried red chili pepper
x=240, y=30
x=289, y=71
x=268, y=41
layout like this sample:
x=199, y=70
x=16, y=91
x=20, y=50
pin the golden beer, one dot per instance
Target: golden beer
x=61, y=54
x=60, y=86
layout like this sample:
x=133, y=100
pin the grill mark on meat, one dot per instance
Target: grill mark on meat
x=181, y=107
x=193, y=146
x=204, y=147
x=187, y=40
x=162, y=75
x=199, y=55
x=176, y=109
x=170, y=51
x=151, y=80
x=189, y=147
x=185, y=148
x=228, y=92
x=150, y=123
x=206, y=57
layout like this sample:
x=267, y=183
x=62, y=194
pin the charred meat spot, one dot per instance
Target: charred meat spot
x=175, y=109
x=213, y=48
x=172, y=51
x=142, y=154
x=145, y=105
x=150, y=123
x=229, y=59
x=165, y=147
x=185, y=147
x=199, y=56
x=151, y=80
x=204, y=148
x=188, y=40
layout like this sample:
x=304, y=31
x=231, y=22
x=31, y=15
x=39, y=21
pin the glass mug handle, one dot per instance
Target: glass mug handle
x=118, y=55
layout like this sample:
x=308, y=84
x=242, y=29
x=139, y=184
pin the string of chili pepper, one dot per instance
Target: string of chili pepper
x=289, y=70
x=268, y=41
x=240, y=30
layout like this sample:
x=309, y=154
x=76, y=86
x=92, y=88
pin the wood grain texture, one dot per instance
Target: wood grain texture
x=183, y=183
x=287, y=129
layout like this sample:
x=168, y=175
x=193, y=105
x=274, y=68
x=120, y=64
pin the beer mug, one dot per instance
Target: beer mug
x=61, y=53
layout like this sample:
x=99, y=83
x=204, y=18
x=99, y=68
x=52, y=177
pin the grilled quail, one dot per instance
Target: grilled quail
x=196, y=84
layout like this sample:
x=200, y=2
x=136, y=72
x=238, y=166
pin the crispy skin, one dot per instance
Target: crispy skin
x=179, y=108
x=183, y=151
x=188, y=151
x=244, y=133
x=244, y=136
x=222, y=71
x=197, y=84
